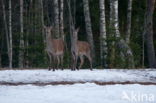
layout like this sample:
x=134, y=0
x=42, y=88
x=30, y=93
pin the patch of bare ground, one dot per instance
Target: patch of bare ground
x=78, y=82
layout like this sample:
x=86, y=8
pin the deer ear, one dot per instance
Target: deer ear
x=51, y=27
x=44, y=27
x=78, y=29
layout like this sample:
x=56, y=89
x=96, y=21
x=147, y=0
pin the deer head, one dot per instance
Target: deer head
x=75, y=34
x=48, y=31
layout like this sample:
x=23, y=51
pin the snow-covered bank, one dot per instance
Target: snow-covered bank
x=106, y=75
x=78, y=93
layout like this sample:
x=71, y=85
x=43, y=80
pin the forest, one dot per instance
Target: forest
x=116, y=33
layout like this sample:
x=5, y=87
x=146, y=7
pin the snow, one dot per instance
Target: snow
x=77, y=93
x=105, y=75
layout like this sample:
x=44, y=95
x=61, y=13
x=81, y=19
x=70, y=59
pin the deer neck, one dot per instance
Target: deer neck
x=74, y=47
x=49, y=43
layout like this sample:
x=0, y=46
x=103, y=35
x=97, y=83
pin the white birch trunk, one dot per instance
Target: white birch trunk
x=88, y=25
x=61, y=18
x=111, y=35
x=21, y=52
x=125, y=50
x=115, y=20
x=56, y=19
x=103, y=37
x=129, y=16
x=10, y=34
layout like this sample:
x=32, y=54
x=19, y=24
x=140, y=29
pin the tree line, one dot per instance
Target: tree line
x=120, y=32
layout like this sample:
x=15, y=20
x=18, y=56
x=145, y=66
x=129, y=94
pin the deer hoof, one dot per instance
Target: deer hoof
x=49, y=69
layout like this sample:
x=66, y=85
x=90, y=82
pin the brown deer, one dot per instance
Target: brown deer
x=79, y=49
x=55, y=48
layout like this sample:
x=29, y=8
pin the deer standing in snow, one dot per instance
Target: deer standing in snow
x=79, y=49
x=55, y=48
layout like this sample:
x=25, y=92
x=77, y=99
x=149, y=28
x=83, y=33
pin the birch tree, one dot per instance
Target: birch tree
x=103, y=37
x=149, y=33
x=88, y=25
x=10, y=33
x=125, y=51
x=56, y=18
x=111, y=35
x=61, y=18
x=21, y=52
x=129, y=16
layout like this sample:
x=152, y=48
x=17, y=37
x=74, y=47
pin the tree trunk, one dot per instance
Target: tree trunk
x=56, y=19
x=129, y=16
x=6, y=27
x=42, y=20
x=61, y=18
x=29, y=30
x=21, y=52
x=125, y=51
x=115, y=19
x=0, y=60
x=88, y=25
x=42, y=27
x=149, y=33
x=103, y=37
x=10, y=34
x=111, y=36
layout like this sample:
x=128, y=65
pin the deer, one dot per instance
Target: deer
x=54, y=48
x=79, y=49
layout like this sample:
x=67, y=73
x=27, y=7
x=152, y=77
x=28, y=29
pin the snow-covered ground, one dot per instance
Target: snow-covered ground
x=88, y=92
x=78, y=93
x=106, y=75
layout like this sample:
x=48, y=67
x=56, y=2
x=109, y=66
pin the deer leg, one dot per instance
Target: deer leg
x=90, y=60
x=54, y=62
x=73, y=61
x=49, y=60
x=55, y=59
x=58, y=62
x=76, y=61
x=62, y=62
x=82, y=61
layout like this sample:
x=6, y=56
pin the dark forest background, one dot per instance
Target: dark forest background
x=34, y=46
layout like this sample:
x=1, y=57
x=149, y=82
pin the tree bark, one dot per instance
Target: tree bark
x=111, y=35
x=61, y=18
x=115, y=19
x=129, y=16
x=42, y=19
x=6, y=27
x=103, y=36
x=56, y=19
x=10, y=34
x=149, y=33
x=21, y=52
x=0, y=61
x=88, y=25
